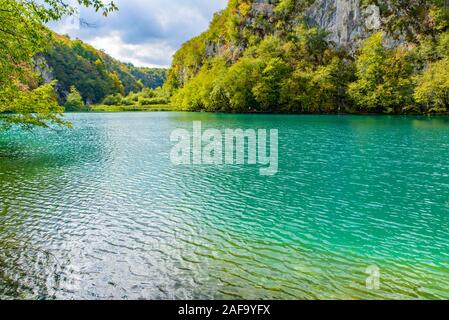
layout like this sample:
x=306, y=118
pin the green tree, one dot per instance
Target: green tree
x=267, y=91
x=117, y=83
x=206, y=91
x=113, y=100
x=432, y=90
x=310, y=43
x=239, y=82
x=94, y=73
x=74, y=101
x=313, y=89
x=384, y=75
x=28, y=108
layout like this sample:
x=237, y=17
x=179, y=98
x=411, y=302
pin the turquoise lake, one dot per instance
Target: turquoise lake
x=100, y=212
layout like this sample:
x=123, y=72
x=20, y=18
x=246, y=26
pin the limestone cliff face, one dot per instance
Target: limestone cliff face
x=345, y=20
x=43, y=69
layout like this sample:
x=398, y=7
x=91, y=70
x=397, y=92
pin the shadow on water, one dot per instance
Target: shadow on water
x=27, y=271
x=25, y=268
x=34, y=169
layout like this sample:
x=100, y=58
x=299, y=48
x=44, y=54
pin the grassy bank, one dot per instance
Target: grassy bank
x=131, y=108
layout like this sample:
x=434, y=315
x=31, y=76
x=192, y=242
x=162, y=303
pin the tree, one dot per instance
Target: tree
x=384, y=77
x=310, y=43
x=432, y=89
x=22, y=36
x=113, y=100
x=239, y=82
x=29, y=108
x=117, y=83
x=74, y=101
x=267, y=91
x=206, y=91
x=312, y=89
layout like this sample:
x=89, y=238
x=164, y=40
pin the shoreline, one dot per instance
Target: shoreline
x=168, y=109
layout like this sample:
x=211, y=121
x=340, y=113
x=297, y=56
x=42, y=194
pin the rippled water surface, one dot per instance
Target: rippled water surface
x=100, y=212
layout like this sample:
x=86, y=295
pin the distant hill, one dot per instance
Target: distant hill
x=150, y=77
x=94, y=73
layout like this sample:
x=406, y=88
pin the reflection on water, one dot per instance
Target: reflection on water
x=100, y=212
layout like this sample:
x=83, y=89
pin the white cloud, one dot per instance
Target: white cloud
x=143, y=32
x=151, y=54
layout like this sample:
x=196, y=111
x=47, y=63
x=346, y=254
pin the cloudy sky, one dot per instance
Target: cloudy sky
x=143, y=32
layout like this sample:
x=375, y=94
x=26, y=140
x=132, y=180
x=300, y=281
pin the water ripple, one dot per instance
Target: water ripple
x=99, y=212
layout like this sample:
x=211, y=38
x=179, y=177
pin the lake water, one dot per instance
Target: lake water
x=99, y=211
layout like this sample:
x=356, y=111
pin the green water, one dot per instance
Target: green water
x=100, y=212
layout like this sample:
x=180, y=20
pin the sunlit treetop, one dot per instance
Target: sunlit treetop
x=55, y=9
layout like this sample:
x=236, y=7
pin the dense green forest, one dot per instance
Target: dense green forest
x=256, y=56
x=94, y=73
x=266, y=56
x=150, y=77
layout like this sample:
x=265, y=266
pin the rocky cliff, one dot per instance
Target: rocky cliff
x=345, y=20
x=316, y=56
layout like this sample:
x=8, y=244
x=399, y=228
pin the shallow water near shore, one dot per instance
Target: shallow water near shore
x=100, y=212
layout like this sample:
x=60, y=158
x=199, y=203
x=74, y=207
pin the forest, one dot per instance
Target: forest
x=277, y=61
x=43, y=74
x=256, y=57
x=93, y=73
